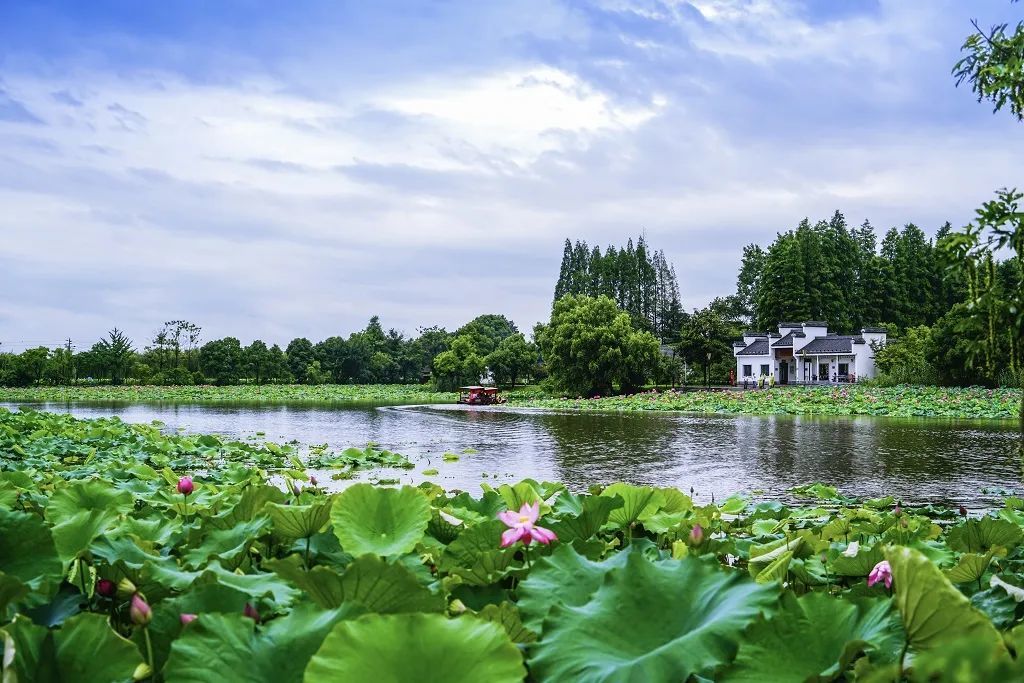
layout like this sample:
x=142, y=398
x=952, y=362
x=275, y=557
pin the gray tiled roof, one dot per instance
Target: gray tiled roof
x=815, y=323
x=784, y=326
x=875, y=330
x=785, y=342
x=758, y=348
x=749, y=333
x=829, y=344
x=739, y=343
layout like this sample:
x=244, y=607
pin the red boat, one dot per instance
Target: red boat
x=480, y=396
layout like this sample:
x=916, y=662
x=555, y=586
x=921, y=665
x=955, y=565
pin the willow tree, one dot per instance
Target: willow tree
x=993, y=65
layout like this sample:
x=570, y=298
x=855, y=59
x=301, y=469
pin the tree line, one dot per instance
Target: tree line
x=641, y=281
x=176, y=356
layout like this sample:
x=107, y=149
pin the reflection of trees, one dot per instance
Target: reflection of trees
x=599, y=448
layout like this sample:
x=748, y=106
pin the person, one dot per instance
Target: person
x=771, y=381
x=732, y=378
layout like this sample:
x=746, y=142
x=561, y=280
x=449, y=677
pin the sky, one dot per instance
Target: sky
x=281, y=169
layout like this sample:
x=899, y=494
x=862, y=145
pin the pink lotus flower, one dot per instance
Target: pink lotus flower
x=881, y=573
x=188, y=618
x=521, y=526
x=140, y=611
x=185, y=486
x=697, y=534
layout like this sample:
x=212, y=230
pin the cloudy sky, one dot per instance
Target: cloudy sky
x=277, y=169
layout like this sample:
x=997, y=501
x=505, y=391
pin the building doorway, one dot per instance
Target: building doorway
x=822, y=372
x=784, y=373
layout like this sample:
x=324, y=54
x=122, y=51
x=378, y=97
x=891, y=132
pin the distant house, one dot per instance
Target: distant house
x=807, y=353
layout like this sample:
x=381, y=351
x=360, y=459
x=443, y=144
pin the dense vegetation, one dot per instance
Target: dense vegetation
x=118, y=565
x=378, y=394
x=901, y=401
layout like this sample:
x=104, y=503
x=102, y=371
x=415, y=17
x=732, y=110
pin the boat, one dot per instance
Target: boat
x=480, y=396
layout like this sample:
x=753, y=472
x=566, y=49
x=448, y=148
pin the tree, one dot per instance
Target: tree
x=589, y=346
x=300, y=354
x=748, y=281
x=512, y=359
x=905, y=360
x=115, y=354
x=221, y=360
x=458, y=366
x=332, y=353
x=33, y=362
x=706, y=339
x=256, y=361
x=993, y=64
x=487, y=331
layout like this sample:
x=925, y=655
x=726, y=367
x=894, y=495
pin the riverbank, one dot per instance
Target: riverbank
x=380, y=394
x=901, y=401
x=172, y=550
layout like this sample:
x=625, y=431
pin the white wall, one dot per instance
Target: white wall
x=755, y=363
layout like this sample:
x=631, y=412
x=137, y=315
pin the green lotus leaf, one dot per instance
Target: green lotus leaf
x=670, y=636
x=524, y=493
x=815, y=638
x=226, y=647
x=82, y=511
x=776, y=570
x=860, y=564
x=27, y=552
x=382, y=521
x=368, y=581
x=507, y=616
x=982, y=535
x=762, y=556
x=250, y=504
x=12, y=589
x=637, y=501
x=166, y=624
x=1015, y=592
x=85, y=650
x=227, y=545
x=970, y=567
x=934, y=612
x=427, y=648
x=592, y=515
x=298, y=521
x=563, y=577
x=476, y=554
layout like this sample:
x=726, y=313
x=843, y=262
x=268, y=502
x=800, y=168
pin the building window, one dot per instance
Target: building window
x=747, y=371
x=764, y=370
x=844, y=368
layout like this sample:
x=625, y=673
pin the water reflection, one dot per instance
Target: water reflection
x=917, y=460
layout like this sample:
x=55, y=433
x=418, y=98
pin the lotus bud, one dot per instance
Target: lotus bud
x=963, y=511
x=140, y=612
x=126, y=589
x=251, y=612
x=696, y=535
x=898, y=510
x=188, y=618
x=295, y=490
x=313, y=481
x=185, y=486
x=142, y=672
x=456, y=606
x=106, y=588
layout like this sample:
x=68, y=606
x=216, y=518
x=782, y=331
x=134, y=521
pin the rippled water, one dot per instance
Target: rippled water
x=916, y=460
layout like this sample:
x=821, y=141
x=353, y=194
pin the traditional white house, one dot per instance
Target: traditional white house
x=807, y=353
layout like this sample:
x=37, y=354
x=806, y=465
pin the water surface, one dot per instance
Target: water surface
x=918, y=460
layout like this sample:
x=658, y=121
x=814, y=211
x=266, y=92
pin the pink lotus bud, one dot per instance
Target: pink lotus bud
x=312, y=480
x=188, y=618
x=295, y=490
x=185, y=486
x=697, y=534
x=963, y=511
x=251, y=612
x=140, y=612
x=898, y=510
x=106, y=588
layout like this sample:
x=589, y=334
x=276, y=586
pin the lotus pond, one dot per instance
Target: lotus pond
x=901, y=401
x=132, y=554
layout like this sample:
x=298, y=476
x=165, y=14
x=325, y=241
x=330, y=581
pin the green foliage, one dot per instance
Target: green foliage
x=905, y=360
x=900, y=401
x=412, y=582
x=591, y=347
x=512, y=360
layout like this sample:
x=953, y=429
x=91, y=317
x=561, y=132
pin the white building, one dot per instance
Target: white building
x=807, y=353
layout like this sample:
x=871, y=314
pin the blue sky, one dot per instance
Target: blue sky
x=282, y=169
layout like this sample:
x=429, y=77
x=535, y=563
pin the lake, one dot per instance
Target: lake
x=917, y=460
